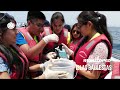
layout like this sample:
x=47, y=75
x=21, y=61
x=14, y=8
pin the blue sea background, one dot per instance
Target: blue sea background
x=115, y=33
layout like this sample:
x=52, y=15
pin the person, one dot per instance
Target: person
x=13, y=62
x=75, y=37
x=96, y=44
x=57, y=27
x=30, y=41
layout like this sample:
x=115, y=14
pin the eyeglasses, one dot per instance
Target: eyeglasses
x=73, y=31
x=60, y=25
x=39, y=25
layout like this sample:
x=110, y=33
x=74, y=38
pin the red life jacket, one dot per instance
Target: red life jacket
x=85, y=50
x=115, y=69
x=24, y=61
x=73, y=46
x=31, y=42
x=62, y=39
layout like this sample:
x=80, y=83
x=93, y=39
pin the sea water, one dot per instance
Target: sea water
x=115, y=33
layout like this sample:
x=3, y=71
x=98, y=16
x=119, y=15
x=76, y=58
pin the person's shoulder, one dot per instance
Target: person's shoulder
x=19, y=35
x=101, y=44
x=20, y=39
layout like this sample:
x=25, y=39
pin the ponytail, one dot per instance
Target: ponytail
x=102, y=27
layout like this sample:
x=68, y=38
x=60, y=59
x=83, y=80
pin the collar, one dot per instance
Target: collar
x=96, y=35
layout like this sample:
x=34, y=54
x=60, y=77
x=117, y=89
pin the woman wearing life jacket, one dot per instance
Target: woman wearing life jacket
x=13, y=62
x=75, y=37
x=29, y=39
x=57, y=27
x=96, y=44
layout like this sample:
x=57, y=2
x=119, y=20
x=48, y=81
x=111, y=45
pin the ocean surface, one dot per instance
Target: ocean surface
x=115, y=33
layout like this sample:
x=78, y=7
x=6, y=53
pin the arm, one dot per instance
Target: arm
x=36, y=67
x=35, y=50
x=68, y=51
x=4, y=75
x=3, y=70
x=100, y=50
x=90, y=74
x=31, y=52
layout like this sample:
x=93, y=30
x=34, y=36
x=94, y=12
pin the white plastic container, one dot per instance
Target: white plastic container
x=63, y=65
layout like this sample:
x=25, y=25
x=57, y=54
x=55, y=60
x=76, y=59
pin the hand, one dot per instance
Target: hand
x=51, y=38
x=43, y=65
x=49, y=74
x=68, y=51
x=51, y=55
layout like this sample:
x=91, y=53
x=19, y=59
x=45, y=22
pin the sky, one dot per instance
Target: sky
x=113, y=17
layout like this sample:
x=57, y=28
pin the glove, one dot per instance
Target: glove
x=49, y=74
x=42, y=66
x=68, y=51
x=51, y=55
x=51, y=38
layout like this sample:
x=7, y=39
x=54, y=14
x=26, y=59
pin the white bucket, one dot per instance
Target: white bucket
x=63, y=65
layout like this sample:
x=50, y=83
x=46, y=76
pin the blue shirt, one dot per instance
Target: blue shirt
x=20, y=40
x=4, y=66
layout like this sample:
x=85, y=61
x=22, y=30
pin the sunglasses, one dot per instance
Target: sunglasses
x=73, y=31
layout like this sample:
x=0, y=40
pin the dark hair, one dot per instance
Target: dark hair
x=5, y=18
x=67, y=27
x=75, y=25
x=46, y=23
x=55, y=16
x=35, y=15
x=7, y=51
x=99, y=23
